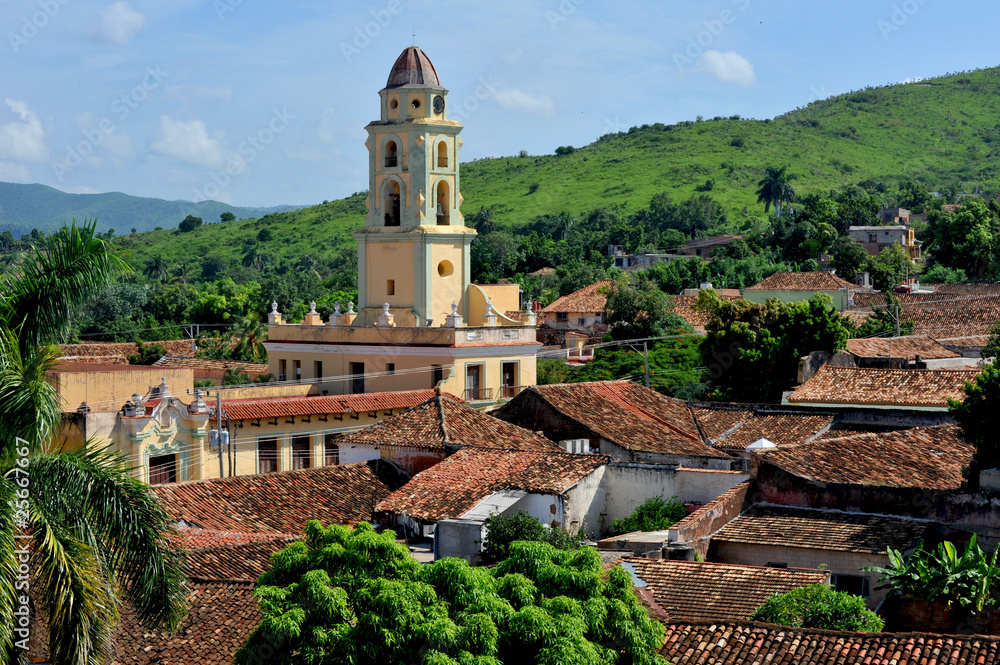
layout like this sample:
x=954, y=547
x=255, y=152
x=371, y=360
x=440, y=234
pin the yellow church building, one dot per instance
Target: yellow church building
x=420, y=322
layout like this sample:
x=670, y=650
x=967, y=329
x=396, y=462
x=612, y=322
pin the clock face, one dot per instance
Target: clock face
x=439, y=104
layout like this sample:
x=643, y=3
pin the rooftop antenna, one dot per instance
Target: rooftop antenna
x=414, y=36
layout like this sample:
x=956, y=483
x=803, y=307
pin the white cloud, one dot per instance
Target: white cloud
x=188, y=141
x=23, y=141
x=120, y=23
x=728, y=67
x=11, y=172
x=515, y=99
x=912, y=79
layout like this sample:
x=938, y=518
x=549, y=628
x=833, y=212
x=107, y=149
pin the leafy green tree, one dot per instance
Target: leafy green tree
x=654, y=514
x=675, y=366
x=257, y=257
x=978, y=414
x=495, y=255
x=674, y=276
x=819, y=606
x=354, y=596
x=553, y=370
x=752, y=351
x=146, y=354
x=890, y=267
x=775, y=188
x=189, y=223
x=182, y=272
x=227, y=217
x=938, y=274
x=503, y=530
x=97, y=535
x=639, y=311
x=849, y=257
x=967, y=239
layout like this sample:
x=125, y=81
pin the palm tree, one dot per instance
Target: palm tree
x=250, y=346
x=97, y=536
x=156, y=267
x=182, y=272
x=775, y=188
x=257, y=257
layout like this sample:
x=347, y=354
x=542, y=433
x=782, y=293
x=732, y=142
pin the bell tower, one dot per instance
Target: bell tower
x=413, y=251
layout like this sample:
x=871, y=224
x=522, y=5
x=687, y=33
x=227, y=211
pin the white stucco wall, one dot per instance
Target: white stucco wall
x=353, y=454
x=618, y=489
x=547, y=508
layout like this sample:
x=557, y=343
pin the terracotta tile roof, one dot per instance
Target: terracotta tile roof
x=900, y=347
x=280, y=407
x=703, y=591
x=715, y=422
x=241, y=561
x=175, y=347
x=942, y=315
x=453, y=487
x=968, y=340
x=963, y=289
x=189, y=539
x=783, y=526
x=923, y=457
x=683, y=306
x=629, y=415
x=443, y=422
x=781, y=429
x=211, y=364
x=710, y=643
x=802, y=281
x=588, y=299
x=281, y=502
x=883, y=387
x=219, y=620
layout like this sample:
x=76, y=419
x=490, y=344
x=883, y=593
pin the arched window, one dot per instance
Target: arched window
x=391, y=203
x=390, y=155
x=443, y=204
x=442, y=155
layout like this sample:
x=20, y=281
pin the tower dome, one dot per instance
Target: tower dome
x=413, y=67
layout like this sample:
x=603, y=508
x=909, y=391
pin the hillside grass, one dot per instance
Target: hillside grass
x=938, y=131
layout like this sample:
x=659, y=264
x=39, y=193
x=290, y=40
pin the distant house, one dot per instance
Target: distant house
x=876, y=238
x=706, y=591
x=451, y=500
x=618, y=418
x=790, y=537
x=888, y=216
x=900, y=389
x=915, y=351
x=426, y=434
x=580, y=310
x=703, y=247
x=797, y=286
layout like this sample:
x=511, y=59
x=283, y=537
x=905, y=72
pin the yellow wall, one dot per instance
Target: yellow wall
x=449, y=289
x=387, y=261
x=109, y=390
x=501, y=295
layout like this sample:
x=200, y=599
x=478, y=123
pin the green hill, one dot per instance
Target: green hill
x=26, y=207
x=938, y=131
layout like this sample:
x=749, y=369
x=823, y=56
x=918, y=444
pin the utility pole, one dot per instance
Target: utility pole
x=645, y=358
x=229, y=451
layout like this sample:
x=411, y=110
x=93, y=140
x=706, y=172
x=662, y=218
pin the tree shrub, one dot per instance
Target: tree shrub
x=345, y=595
x=654, y=514
x=146, y=354
x=504, y=530
x=819, y=606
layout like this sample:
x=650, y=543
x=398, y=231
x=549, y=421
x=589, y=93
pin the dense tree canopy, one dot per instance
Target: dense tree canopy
x=355, y=596
x=979, y=417
x=752, y=351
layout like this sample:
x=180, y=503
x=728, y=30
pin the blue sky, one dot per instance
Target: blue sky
x=155, y=98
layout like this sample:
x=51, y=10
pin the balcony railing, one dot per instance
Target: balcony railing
x=478, y=395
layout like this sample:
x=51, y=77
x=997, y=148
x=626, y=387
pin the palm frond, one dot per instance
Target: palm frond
x=64, y=270
x=81, y=606
x=30, y=406
x=128, y=524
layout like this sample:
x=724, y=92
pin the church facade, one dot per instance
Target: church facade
x=420, y=322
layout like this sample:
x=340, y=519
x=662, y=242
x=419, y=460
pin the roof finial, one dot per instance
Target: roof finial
x=414, y=36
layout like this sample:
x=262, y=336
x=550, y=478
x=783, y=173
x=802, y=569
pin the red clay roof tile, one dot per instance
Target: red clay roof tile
x=588, y=299
x=802, y=281
x=453, y=487
x=280, y=407
x=883, y=387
